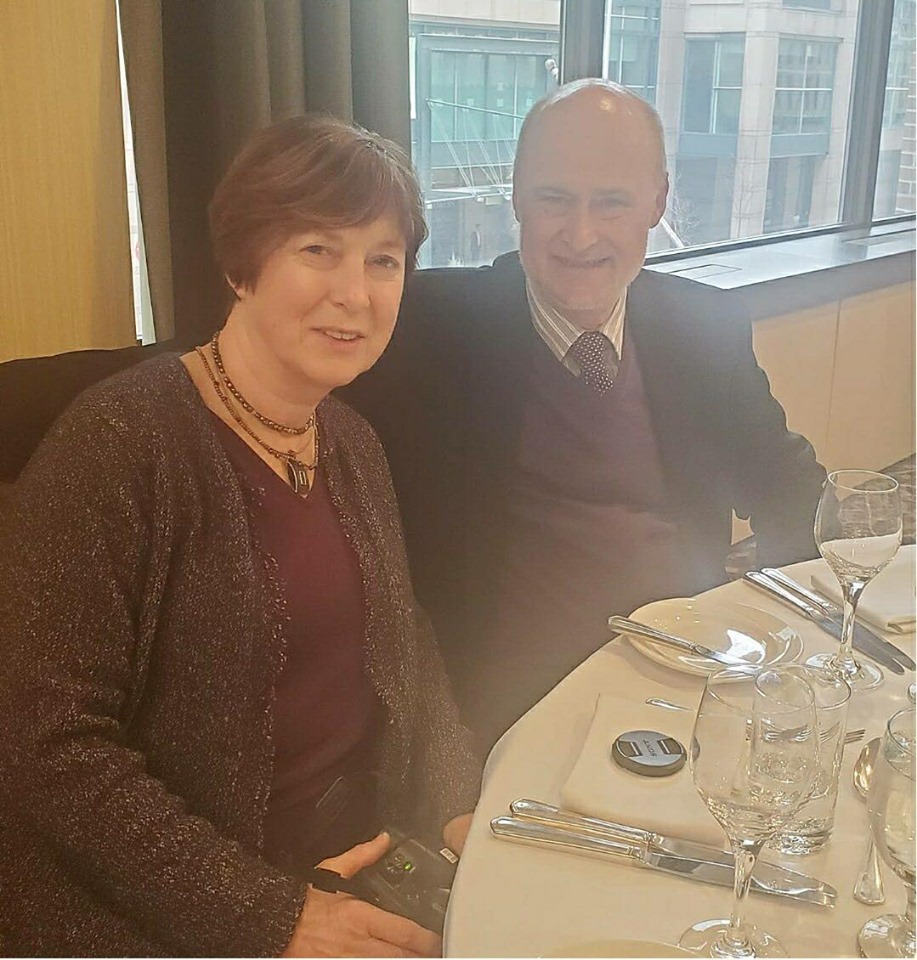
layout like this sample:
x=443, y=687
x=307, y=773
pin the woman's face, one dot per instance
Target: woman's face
x=325, y=304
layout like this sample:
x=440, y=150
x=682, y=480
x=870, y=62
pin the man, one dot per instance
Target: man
x=569, y=434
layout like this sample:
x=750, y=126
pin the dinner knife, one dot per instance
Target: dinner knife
x=655, y=856
x=767, y=874
x=861, y=643
x=834, y=612
x=626, y=625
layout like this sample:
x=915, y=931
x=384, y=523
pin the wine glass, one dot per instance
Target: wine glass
x=754, y=759
x=858, y=531
x=891, y=818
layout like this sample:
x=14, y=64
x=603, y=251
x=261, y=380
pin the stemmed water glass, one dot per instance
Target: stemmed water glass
x=891, y=818
x=858, y=531
x=754, y=759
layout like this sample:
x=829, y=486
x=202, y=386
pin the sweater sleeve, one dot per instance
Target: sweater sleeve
x=74, y=555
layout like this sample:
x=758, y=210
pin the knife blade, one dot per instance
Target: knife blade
x=865, y=646
x=705, y=871
x=834, y=612
x=626, y=625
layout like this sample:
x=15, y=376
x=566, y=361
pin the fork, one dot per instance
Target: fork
x=854, y=736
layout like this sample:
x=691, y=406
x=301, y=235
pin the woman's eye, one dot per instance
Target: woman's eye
x=316, y=249
x=387, y=263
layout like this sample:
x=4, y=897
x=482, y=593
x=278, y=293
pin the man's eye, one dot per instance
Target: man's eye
x=610, y=204
x=316, y=249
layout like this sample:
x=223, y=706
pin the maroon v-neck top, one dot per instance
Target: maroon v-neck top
x=325, y=708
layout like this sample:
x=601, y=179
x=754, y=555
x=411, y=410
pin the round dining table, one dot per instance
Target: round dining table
x=517, y=900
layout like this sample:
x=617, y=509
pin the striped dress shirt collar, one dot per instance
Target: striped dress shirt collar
x=558, y=333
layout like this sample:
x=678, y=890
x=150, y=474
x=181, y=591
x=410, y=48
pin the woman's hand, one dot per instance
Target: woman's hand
x=339, y=925
x=455, y=832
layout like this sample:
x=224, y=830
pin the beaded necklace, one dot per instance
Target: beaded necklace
x=233, y=389
x=297, y=469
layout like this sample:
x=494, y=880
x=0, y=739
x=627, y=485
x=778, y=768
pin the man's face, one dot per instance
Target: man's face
x=588, y=192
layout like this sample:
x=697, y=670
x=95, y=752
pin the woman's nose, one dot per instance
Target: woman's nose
x=350, y=286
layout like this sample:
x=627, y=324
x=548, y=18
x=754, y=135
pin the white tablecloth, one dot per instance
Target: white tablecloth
x=514, y=900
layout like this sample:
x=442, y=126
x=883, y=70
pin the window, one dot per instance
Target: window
x=473, y=82
x=900, y=65
x=631, y=46
x=701, y=199
x=713, y=84
x=805, y=87
x=789, y=193
x=895, y=181
x=755, y=99
x=810, y=4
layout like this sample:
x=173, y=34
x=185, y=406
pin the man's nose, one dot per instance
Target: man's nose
x=350, y=285
x=580, y=229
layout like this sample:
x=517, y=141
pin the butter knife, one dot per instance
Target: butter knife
x=653, y=856
x=835, y=612
x=821, y=619
x=626, y=625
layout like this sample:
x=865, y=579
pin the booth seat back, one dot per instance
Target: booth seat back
x=36, y=391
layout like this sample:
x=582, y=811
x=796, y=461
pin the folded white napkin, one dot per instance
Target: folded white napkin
x=597, y=786
x=889, y=601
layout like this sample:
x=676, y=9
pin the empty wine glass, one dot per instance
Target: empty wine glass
x=858, y=531
x=891, y=818
x=754, y=759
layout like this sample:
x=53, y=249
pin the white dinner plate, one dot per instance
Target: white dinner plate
x=734, y=628
x=620, y=948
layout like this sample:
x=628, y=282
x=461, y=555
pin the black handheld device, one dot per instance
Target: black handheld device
x=411, y=880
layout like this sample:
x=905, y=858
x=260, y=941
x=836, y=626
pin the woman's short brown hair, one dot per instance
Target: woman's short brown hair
x=307, y=172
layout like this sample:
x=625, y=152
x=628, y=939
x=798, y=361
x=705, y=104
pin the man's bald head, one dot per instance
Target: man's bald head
x=610, y=101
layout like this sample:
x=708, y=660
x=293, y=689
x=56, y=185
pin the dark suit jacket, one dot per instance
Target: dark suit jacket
x=446, y=399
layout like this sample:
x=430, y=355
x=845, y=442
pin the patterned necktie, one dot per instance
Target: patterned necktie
x=597, y=359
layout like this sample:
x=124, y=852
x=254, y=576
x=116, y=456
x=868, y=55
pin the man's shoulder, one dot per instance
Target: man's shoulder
x=461, y=285
x=674, y=304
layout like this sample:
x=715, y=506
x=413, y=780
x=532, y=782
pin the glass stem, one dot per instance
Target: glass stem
x=746, y=854
x=844, y=657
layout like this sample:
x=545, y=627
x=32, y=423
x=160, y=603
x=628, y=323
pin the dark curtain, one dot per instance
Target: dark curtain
x=204, y=74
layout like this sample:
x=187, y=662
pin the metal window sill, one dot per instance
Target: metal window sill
x=789, y=274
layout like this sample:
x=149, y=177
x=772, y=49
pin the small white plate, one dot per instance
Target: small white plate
x=620, y=948
x=734, y=628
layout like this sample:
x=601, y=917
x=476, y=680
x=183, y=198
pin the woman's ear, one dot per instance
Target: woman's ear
x=237, y=288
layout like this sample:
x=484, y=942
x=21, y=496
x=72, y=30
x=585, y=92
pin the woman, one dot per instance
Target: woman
x=205, y=610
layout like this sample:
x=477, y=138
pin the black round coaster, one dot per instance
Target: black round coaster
x=648, y=753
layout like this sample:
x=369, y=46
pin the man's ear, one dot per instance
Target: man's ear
x=661, y=198
x=516, y=204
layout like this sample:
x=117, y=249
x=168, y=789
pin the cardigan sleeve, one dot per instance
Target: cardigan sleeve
x=73, y=558
x=448, y=768
x=445, y=773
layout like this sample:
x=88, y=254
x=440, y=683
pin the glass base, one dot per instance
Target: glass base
x=799, y=840
x=886, y=936
x=707, y=939
x=865, y=677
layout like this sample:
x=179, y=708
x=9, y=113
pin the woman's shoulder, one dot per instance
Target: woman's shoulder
x=149, y=406
x=145, y=392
